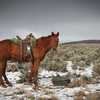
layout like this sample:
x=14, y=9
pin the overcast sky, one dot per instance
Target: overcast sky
x=74, y=19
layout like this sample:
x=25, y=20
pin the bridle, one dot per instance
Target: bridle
x=52, y=44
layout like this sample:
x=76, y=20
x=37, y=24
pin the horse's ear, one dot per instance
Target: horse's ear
x=57, y=33
x=52, y=33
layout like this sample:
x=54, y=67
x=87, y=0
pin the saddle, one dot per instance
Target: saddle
x=27, y=47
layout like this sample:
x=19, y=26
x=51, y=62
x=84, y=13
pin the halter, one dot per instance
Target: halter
x=52, y=45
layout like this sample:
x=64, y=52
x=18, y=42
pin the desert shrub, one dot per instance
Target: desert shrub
x=47, y=92
x=9, y=68
x=50, y=55
x=94, y=74
x=61, y=52
x=93, y=55
x=78, y=98
x=74, y=66
x=78, y=51
x=25, y=66
x=44, y=62
x=17, y=66
x=24, y=76
x=63, y=58
x=88, y=80
x=12, y=68
x=86, y=60
x=79, y=95
x=48, y=66
x=96, y=68
x=84, y=78
x=81, y=64
x=74, y=83
x=93, y=96
x=79, y=61
x=87, y=63
x=22, y=91
x=60, y=67
x=77, y=58
x=53, y=97
x=29, y=96
x=88, y=53
x=83, y=81
x=97, y=61
x=59, y=64
x=70, y=54
x=73, y=58
x=63, y=46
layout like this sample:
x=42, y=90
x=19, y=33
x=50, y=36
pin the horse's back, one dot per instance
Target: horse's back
x=5, y=48
x=5, y=43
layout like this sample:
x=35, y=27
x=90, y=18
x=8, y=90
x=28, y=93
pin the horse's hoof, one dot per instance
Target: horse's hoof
x=34, y=88
x=9, y=84
x=3, y=85
x=36, y=84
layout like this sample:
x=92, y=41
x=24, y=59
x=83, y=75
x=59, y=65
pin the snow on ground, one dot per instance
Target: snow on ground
x=61, y=93
x=87, y=71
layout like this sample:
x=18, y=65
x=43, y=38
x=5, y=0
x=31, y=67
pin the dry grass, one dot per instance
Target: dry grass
x=79, y=95
x=78, y=98
x=22, y=91
x=14, y=97
x=83, y=81
x=43, y=98
x=47, y=92
x=96, y=68
x=93, y=96
x=29, y=96
x=77, y=83
x=51, y=98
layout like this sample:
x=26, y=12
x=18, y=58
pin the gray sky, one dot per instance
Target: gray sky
x=74, y=19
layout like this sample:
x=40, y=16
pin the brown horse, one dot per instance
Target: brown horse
x=10, y=50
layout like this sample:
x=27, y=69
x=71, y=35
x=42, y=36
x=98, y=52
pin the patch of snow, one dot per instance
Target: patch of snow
x=87, y=71
x=62, y=93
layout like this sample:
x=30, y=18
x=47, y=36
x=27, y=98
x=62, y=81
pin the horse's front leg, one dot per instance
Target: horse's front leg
x=2, y=72
x=34, y=69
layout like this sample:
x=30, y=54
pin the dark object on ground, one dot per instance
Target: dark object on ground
x=60, y=81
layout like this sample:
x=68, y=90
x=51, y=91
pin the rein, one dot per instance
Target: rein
x=52, y=73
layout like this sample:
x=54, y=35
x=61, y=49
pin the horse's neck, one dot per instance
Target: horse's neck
x=45, y=43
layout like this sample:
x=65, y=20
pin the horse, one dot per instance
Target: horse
x=10, y=50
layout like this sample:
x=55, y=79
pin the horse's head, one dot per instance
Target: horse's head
x=54, y=40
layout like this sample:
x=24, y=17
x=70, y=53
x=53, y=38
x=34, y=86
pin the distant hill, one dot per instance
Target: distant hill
x=83, y=41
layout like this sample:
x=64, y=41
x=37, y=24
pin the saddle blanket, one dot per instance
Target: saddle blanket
x=14, y=40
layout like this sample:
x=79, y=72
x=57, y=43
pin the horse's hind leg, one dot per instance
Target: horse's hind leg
x=1, y=73
x=4, y=75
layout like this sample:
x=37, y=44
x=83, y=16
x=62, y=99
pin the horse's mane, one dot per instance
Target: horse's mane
x=45, y=40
